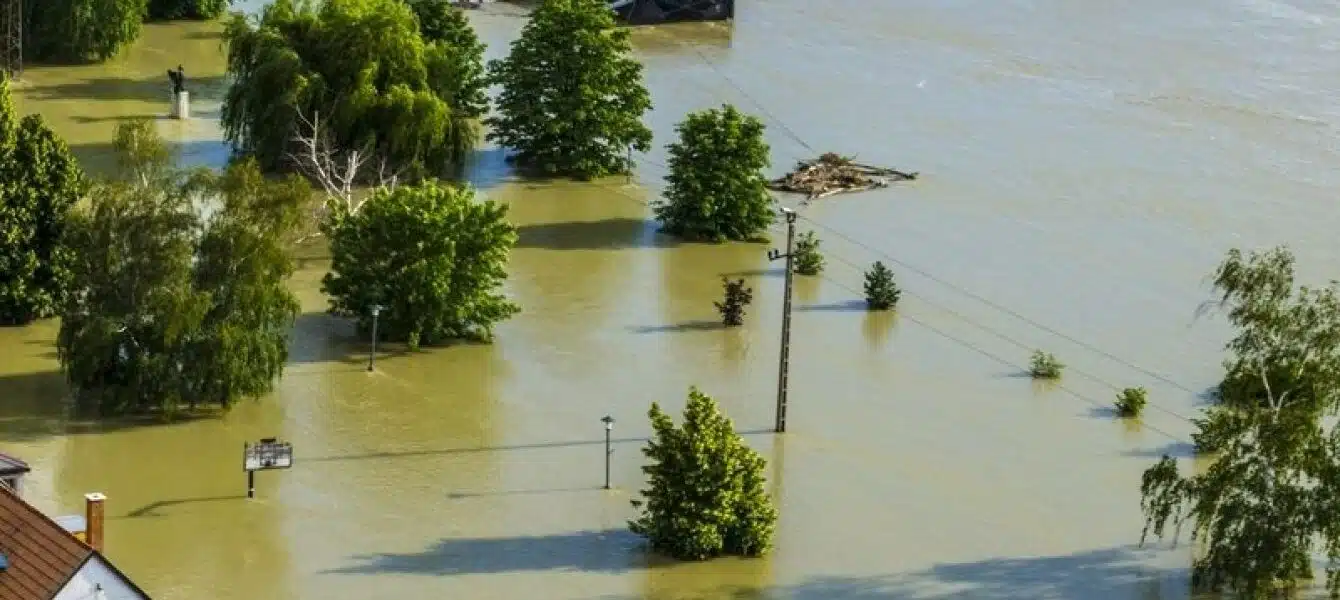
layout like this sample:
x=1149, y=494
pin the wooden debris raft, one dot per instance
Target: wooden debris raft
x=832, y=174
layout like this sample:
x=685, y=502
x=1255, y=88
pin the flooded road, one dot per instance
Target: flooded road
x=1085, y=166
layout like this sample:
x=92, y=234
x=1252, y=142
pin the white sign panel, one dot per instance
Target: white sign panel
x=268, y=454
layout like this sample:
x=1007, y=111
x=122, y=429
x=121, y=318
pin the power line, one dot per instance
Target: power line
x=1082, y=344
x=997, y=358
x=997, y=306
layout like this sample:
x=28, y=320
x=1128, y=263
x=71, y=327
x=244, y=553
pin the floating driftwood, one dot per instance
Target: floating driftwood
x=833, y=174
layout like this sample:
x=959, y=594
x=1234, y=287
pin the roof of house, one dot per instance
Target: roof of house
x=42, y=556
x=12, y=466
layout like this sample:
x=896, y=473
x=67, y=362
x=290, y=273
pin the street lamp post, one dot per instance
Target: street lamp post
x=609, y=427
x=372, y=356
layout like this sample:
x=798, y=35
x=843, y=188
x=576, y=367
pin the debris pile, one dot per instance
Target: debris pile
x=834, y=174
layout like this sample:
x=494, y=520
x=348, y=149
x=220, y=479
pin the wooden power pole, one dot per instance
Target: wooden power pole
x=783, y=367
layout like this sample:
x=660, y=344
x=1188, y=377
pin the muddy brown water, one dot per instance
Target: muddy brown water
x=1085, y=167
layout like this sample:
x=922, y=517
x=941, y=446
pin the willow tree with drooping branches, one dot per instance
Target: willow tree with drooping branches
x=1270, y=499
x=171, y=307
x=79, y=31
x=357, y=76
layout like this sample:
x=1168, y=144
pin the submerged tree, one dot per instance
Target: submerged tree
x=1272, y=495
x=355, y=78
x=716, y=190
x=705, y=496
x=432, y=254
x=737, y=297
x=186, y=9
x=881, y=293
x=460, y=71
x=43, y=182
x=809, y=261
x=80, y=30
x=572, y=98
x=171, y=310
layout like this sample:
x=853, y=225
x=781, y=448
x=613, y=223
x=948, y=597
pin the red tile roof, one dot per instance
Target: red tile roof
x=42, y=555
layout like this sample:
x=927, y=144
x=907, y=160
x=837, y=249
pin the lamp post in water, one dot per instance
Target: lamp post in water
x=609, y=427
x=372, y=356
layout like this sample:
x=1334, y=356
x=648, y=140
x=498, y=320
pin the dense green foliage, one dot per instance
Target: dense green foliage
x=186, y=9
x=1272, y=495
x=881, y=293
x=363, y=70
x=808, y=260
x=170, y=309
x=42, y=182
x=572, y=99
x=716, y=190
x=1044, y=365
x=1131, y=402
x=432, y=255
x=462, y=73
x=736, y=298
x=705, y=495
x=79, y=30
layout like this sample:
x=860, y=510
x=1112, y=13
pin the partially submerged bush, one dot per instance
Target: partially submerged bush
x=736, y=298
x=1131, y=402
x=1044, y=365
x=881, y=293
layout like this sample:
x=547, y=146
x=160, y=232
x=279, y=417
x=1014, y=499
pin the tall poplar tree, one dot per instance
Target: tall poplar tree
x=716, y=189
x=705, y=496
x=573, y=99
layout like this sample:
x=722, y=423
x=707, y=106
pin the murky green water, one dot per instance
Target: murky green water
x=1085, y=166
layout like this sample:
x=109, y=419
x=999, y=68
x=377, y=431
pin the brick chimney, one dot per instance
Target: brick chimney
x=93, y=520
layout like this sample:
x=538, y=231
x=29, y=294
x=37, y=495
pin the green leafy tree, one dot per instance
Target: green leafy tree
x=42, y=182
x=1271, y=497
x=171, y=310
x=1045, y=365
x=572, y=98
x=432, y=255
x=1131, y=402
x=705, y=495
x=881, y=293
x=460, y=70
x=347, y=76
x=808, y=260
x=74, y=31
x=732, y=305
x=186, y=9
x=716, y=189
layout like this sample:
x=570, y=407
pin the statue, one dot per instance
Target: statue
x=178, y=78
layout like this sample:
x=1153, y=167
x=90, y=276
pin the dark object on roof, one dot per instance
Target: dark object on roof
x=649, y=12
x=12, y=466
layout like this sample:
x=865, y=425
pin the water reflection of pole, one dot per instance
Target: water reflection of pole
x=372, y=356
x=784, y=362
x=609, y=427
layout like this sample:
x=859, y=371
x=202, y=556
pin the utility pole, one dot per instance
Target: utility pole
x=784, y=363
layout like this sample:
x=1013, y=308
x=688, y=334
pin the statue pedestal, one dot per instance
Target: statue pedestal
x=181, y=105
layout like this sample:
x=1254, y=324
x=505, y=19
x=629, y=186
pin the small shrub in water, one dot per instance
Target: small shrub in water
x=732, y=306
x=1131, y=402
x=808, y=261
x=881, y=293
x=1044, y=365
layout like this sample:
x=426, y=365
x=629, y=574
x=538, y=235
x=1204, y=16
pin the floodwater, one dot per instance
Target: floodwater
x=1085, y=165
